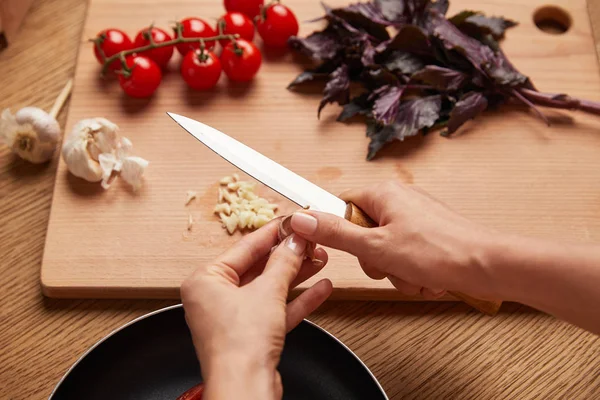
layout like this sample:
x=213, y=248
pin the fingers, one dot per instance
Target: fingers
x=249, y=250
x=285, y=262
x=404, y=287
x=332, y=231
x=308, y=301
x=310, y=268
x=408, y=289
x=432, y=294
x=365, y=199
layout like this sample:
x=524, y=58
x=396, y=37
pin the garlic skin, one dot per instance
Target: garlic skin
x=31, y=133
x=94, y=151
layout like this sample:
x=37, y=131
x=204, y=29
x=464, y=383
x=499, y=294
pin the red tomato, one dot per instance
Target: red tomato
x=160, y=56
x=195, y=393
x=251, y=8
x=233, y=23
x=144, y=78
x=195, y=28
x=201, y=72
x=241, y=62
x=111, y=41
x=277, y=25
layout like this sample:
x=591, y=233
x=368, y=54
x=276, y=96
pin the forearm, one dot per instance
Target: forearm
x=241, y=378
x=560, y=279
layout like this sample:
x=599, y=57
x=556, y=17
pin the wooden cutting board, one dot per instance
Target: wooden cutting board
x=506, y=169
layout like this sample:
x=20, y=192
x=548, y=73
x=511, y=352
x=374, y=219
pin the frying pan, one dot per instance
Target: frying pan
x=152, y=358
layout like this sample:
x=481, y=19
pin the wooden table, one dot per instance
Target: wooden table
x=416, y=350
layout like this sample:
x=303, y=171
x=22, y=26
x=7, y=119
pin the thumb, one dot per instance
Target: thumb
x=331, y=231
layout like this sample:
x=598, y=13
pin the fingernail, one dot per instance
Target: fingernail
x=304, y=223
x=296, y=243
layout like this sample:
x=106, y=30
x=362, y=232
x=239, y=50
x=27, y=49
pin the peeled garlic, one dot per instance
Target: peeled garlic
x=94, y=151
x=31, y=133
x=239, y=207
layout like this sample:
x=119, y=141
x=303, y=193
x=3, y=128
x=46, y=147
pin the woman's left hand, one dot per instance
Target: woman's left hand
x=237, y=311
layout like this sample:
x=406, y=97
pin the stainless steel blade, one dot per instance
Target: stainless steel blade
x=282, y=180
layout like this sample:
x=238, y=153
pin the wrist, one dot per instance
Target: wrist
x=502, y=264
x=480, y=271
x=241, y=376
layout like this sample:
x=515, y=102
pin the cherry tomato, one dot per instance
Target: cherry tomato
x=144, y=78
x=160, y=56
x=236, y=22
x=195, y=28
x=241, y=61
x=111, y=41
x=251, y=8
x=201, y=72
x=195, y=393
x=276, y=25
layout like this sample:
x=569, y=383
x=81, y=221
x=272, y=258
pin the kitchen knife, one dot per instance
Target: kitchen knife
x=299, y=190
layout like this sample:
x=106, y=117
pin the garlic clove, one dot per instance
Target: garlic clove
x=132, y=171
x=109, y=166
x=82, y=148
x=78, y=160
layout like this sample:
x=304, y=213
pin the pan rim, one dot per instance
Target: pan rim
x=168, y=308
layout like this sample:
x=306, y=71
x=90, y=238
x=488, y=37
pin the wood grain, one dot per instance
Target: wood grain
x=507, y=169
x=417, y=350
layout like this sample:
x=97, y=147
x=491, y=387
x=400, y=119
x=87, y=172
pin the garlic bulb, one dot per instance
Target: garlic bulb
x=94, y=151
x=31, y=133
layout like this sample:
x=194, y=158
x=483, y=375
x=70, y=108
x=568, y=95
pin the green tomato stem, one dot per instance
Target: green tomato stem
x=179, y=39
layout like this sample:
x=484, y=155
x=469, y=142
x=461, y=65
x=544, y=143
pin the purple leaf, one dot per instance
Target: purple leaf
x=411, y=39
x=412, y=116
x=482, y=57
x=319, y=46
x=362, y=17
x=337, y=89
x=368, y=57
x=441, y=78
x=385, y=107
x=402, y=62
x=478, y=25
x=468, y=107
x=360, y=105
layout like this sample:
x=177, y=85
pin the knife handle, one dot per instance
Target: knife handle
x=359, y=217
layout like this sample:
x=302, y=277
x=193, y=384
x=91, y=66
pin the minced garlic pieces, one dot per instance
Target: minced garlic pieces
x=239, y=207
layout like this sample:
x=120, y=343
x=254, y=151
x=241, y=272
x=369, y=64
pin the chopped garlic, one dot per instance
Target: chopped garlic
x=239, y=207
x=225, y=181
x=190, y=195
x=230, y=222
x=266, y=212
x=259, y=221
x=233, y=185
x=190, y=222
x=223, y=208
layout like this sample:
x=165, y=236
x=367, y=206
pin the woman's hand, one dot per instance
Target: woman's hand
x=421, y=245
x=237, y=311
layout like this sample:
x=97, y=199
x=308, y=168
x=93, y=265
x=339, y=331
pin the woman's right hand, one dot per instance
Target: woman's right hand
x=421, y=245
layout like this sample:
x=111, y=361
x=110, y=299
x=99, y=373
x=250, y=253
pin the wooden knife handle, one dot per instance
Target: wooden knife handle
x=359, y=217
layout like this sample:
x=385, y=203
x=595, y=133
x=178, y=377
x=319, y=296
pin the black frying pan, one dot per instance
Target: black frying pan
x=152, y=358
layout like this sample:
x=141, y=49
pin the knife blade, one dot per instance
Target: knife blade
x=291, y=185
